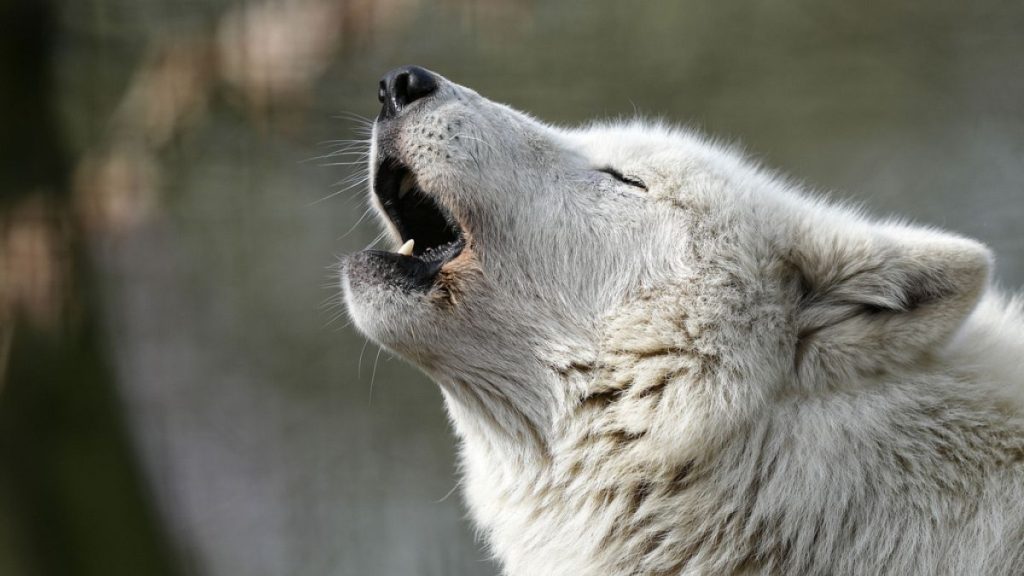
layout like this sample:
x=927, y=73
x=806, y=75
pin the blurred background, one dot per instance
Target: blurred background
x=180, y=392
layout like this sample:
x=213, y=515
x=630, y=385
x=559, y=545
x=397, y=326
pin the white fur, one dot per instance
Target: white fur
x=714, y=375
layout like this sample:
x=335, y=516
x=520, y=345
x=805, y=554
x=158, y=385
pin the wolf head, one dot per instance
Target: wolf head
x=554, y=270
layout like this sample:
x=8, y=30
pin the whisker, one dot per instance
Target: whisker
x=335, y=154
x=359, y=366
x=353, y=117
x=358, y=222
x=353, y=163
x=450, y=492
x=381, y=236
x=345, y=142
x=355, y=176
x=480, y=140
x=373, y=377
x=341, y=191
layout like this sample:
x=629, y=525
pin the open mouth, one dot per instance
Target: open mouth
x=430, y=235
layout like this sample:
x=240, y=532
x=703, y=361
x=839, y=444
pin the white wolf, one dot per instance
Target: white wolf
x=663, y=359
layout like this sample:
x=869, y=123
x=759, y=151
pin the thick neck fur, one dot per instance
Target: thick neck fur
x=631, y=480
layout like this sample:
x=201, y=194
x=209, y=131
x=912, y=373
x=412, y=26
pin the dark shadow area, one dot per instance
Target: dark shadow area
x=72, y=497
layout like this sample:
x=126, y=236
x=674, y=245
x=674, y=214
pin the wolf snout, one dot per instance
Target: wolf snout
x=403, y=86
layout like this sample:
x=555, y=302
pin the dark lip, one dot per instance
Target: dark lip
x=408, y=272
x=416, y=215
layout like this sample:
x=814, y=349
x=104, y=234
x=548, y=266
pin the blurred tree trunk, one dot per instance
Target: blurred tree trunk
x=72, y=498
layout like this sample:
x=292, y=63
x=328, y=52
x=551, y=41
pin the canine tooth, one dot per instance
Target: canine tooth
x=408, y=182
x=406, y=249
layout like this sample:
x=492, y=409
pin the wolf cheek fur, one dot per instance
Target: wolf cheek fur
x=661, y=359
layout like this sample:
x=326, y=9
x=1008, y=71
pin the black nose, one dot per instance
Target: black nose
x=403, y=86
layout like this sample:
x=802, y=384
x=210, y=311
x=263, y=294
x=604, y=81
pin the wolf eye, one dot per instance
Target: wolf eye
x=623, y=178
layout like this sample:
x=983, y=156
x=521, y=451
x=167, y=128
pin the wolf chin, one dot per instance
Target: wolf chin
x=661, y=358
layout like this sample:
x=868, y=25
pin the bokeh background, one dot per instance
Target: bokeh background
x=180, y=392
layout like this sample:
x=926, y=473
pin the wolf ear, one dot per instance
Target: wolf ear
x=873, y=298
